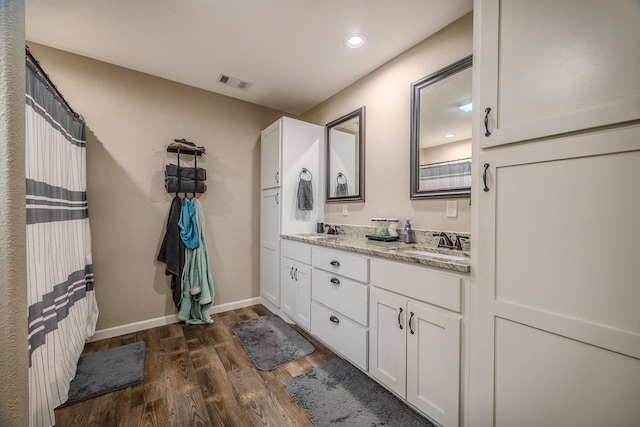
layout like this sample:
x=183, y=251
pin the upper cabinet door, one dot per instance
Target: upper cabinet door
x=549, y=67
x=270, y=174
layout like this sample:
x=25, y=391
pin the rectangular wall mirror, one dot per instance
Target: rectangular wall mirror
x=345, y=158
x=441, y=133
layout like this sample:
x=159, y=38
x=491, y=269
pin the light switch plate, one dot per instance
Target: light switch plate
x=452, y=208
x=345, y=211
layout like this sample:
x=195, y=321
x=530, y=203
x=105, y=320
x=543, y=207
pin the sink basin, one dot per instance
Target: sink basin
x=420, y=251
x=435, y=254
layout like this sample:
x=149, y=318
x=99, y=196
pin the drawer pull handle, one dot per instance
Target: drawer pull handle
x=486, y=122
x=291, y=273
x=335, y=281
x=400, y=314
x=484, y=177
x=335, y=263
x=334, y=319
x=295, y=275
x=411, y=327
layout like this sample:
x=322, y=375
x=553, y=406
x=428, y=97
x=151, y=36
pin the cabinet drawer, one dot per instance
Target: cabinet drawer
x=346, y=296
x=417, y=282
x=343, y=263
x=343, y=335
x=296, y=251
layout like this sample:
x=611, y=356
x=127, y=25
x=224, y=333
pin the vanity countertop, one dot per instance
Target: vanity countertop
x=442, y=258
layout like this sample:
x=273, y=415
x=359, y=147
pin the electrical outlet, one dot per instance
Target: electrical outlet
x=345, y=211
x=452, y=208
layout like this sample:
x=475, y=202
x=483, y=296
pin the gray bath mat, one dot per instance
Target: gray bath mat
x=338, y=394
x=271, y=342
x=106, y=371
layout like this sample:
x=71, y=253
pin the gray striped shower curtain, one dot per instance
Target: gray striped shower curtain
x=62, y=307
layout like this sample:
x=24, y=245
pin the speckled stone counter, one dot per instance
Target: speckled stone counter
x=424, y=251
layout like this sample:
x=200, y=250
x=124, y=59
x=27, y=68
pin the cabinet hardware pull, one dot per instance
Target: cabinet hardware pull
x=335, y=263
x=334, y=319
x=277, y=198
x=291, y=273
x=278, y=177
x=399, y=314
x=335, y=281
x=486, y=121
x=411, y=327
x=484, y=177
x=295, y=274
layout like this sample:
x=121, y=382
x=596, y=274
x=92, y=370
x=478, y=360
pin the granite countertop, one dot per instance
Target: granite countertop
x=398, y=251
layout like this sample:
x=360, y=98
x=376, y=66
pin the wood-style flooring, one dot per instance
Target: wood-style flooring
x=198, y=375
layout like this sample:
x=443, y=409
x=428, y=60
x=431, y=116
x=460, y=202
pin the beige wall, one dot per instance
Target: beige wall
x=14, y=404
x=131, y=117
x=386, y=95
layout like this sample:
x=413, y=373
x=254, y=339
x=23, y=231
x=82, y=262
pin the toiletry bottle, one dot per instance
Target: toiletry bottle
x=408, y=232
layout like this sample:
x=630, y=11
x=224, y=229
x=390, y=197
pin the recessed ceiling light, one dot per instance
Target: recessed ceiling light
x=466, y=107
x=449, y=135
x=355, y=40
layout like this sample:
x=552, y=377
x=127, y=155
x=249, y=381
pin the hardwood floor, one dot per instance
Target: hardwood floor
x=198, y=375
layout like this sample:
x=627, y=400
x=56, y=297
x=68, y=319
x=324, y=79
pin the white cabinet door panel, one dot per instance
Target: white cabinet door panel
x=387, y=343
x=550, y=67
x=433, y=363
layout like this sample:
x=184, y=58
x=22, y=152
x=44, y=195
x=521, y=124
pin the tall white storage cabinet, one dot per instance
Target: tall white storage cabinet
x=557, y=340
x=287, y=146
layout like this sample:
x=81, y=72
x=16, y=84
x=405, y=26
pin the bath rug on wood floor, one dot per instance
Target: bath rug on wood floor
x=339, y=394
x=105, y=371
x=271, y=342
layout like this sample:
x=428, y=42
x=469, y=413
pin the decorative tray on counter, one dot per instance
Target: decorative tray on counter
x=382, y=238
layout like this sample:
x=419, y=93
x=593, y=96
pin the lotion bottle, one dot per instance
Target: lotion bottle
x=408, y=232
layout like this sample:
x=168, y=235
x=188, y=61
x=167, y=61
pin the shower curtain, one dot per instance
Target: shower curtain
x=62, y=307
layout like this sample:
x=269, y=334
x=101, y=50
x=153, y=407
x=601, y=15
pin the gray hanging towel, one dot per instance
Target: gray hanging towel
x=305, y=195
x=342, y=189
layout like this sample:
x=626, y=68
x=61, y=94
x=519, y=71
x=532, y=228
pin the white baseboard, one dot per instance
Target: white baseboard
x=166, y=320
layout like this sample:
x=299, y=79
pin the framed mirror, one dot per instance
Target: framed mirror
x=441, y=133
x=345, y=158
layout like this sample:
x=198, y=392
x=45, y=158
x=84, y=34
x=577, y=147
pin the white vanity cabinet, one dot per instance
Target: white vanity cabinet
x=339, y=308
x=416, y=346
x=287, y=146
x=549, y=67
x=296, y=282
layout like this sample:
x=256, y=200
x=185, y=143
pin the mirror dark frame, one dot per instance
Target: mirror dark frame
x=414, y=165
x=359, y=195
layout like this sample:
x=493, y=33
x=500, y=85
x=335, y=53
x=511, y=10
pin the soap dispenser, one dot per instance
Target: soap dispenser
x=408, y=232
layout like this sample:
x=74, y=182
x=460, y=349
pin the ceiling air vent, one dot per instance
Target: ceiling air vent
x=233, y=82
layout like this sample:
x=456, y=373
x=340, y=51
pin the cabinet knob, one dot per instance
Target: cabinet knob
x=335, y=281
x=400, y=314
x=335, y=263
x=334, y=319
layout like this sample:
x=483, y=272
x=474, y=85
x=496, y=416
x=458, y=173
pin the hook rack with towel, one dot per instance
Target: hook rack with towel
x=181, y=179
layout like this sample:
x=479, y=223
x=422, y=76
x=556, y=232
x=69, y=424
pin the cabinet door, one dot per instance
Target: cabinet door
x=433, y=363
x=288, y=287
x=388, y=339
x=270, y=246
x=302, y=275
x=548, y=67
x=558, y=323
x=270, y=172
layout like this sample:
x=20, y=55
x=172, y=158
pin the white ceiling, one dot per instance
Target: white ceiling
x=291, y=51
